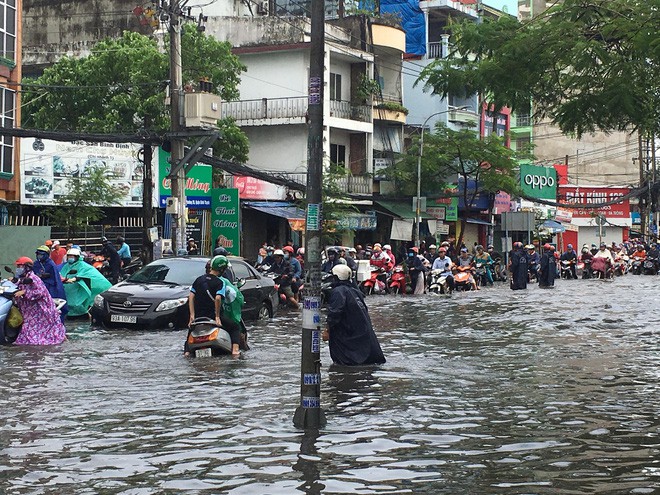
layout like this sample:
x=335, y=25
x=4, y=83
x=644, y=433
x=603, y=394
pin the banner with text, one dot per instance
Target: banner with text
x=198, y=183
x=225, y=220
x=538, y=182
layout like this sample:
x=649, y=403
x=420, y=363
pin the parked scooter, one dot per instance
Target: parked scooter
x=397, y=281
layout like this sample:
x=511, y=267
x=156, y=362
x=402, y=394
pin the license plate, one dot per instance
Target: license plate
x=123, y=319
x=203, y=352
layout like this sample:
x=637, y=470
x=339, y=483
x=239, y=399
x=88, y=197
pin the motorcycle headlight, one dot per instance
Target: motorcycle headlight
x=171, y=304
x=98, y=301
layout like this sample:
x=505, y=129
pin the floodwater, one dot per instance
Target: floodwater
x=495, y=392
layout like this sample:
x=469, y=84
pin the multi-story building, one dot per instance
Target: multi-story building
x=10, y=109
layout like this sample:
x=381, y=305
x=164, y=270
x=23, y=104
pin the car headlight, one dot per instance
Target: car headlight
x=171, y=304
x=98, y=301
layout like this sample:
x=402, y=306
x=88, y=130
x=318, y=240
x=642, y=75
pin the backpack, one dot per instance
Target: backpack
x=233, y=301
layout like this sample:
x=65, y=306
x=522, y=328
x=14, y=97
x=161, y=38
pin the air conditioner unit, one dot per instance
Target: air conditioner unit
x=172, y=206
x=263, y=7
x=202, y=109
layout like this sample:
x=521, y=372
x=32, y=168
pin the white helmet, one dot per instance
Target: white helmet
x=73, y=252
x=387, y=247
x=433, y=246
x=342, y=272
x=278, y=252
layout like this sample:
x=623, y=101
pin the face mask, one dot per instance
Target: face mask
x=70, y=261
x=286, y=256
x=20, y=271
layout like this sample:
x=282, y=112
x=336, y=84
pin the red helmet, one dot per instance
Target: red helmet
x=547, y=246
x=288, y=249
x=24, y=260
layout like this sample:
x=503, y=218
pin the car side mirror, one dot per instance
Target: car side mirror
x=240, y=282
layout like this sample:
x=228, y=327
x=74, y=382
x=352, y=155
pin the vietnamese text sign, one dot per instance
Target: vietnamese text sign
x=595, y=195
x=538, y=182
x=198, y=183
x=502, y=203
x=49, y=168
x=252, y=188
x=225, y=220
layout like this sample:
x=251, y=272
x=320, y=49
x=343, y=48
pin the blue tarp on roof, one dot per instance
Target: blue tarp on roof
x=412, y=21
x=282, y=209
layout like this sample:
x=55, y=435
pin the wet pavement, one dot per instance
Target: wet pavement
x=495, y=392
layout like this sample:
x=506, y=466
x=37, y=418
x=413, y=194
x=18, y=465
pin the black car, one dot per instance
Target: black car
x=156, y=296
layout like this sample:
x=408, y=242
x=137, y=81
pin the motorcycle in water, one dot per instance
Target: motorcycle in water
x=533, y=271
x=481, y=274
x=376, y=283
x=397, y=281
x=601, y=269
x=206, y=339
x=650, y=267
x=438, y=284
x=566, y=268
x=585, y=265
x=620, y=266
x=637, y=265
x=462, y=278
x=499, y=272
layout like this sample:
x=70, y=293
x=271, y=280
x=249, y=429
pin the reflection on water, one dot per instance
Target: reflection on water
x=549, y=392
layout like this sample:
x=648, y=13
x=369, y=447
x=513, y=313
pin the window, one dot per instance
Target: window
x=8, y=29
x=338, y=155
x=335, y=86
x=7, y=120
x=241, y=271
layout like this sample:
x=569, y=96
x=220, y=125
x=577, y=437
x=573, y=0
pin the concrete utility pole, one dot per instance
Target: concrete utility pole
x=642, y=209
x=309, y=413
x=174, y=11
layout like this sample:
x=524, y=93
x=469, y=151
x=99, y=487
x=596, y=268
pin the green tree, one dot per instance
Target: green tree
x=458, y=157
x=586, y=65
x=84, y=201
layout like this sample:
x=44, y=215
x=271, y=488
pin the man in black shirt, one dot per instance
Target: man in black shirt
x=114, y=260
x=205, y=301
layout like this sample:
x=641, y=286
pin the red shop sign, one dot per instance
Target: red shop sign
x=595, y=195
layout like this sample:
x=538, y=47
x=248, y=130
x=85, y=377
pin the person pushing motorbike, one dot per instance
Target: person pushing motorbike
x=571, y=257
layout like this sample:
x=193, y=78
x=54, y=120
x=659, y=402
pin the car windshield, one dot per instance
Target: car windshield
x=170, y=273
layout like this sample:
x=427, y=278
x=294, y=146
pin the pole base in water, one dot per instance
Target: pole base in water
x=309, y=418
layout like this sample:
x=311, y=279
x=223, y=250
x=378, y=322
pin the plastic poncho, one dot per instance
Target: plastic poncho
x=41, y=321
x=89, y=283
x=353, y=341
x=232, y=302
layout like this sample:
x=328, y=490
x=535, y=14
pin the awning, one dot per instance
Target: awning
x=553, y=226
x=403, y=210
x=479, y=221
x=282, y=209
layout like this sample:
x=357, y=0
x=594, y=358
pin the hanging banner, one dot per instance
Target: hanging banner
x=593, y=195
x=251, y=188
x=198, y=183
x=225, y=220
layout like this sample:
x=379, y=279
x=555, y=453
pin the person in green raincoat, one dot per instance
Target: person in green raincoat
x=82, y=283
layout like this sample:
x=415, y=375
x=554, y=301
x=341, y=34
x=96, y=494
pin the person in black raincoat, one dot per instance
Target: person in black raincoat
x=349, y=333
x=518, y=267
x=548, y=265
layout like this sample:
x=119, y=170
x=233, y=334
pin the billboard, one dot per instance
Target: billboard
x=199, y=181
x=48, y=168
x=538, y=182
x=225, y=220
x=594, y=195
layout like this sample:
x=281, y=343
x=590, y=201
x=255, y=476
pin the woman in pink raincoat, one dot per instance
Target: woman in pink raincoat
x=41, y=320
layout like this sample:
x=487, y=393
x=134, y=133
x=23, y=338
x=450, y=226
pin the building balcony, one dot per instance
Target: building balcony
x=465, y=117
x=523, y=120
x=436, y=49
x=346, y=110
x=349, y=184
x=267, y=111
x=390, y=109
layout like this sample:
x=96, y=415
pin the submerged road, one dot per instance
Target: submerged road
x=494, y=392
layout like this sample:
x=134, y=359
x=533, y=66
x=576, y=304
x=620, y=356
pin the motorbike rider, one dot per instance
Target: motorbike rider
x=570, y=256
x=533, y=259
x=654, y=254
x=82, y=283
x=485, y=258
x=381, y=259
x=416, y=270
x=269, y=259
x=41, y=320
x=464, y=259
x=547, y=267
x=518, y=267
x=432, y=253
x=284, y=269
x=640, y=252
x=57, y=253
x=114, y=261
x=206, y=300
x=331, y=261
x=350, y=261
x=45, y=268
x=124, y=251
x=349, y=333
x=296, y=267
x=445, y=264
x=594, y=249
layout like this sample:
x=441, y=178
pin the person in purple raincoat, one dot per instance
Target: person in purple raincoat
x=41, y=320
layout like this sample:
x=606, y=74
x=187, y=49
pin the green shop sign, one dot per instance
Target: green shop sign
x=199, y=181
x=225, y=220
x=538, y=182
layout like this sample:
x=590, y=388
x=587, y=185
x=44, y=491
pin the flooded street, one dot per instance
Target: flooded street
x=495, y=392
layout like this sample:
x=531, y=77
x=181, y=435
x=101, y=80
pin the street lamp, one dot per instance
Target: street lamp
x=418, y=201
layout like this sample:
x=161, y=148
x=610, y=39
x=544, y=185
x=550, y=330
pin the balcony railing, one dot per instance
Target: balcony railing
x=350, y=184
x=523, y=120
x=435, y=50
x=346, y=110
x=266, y=108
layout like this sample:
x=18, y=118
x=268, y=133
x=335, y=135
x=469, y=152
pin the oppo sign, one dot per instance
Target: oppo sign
x=538, y=182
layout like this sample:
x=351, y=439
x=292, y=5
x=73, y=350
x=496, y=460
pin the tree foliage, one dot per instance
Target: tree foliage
x=82, y=204
x=122, y=84
x=586, y=65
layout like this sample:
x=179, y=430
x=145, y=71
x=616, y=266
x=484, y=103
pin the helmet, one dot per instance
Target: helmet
x=43, y=249
x=490, y=246
x=49, y=242
x=190, y=239
x=104, y=240
x=73, y=252
x=517, y=244
x=546, y=246
x=603, y=245
x=219, y=263
x=377, y=245
x=479, y=246
x=278, y=252
x=433, y=246
x=24, y=260
x=288, y=249
x=464, y=250
x=387, y=247
x=352, y=250
x=220, y=251
x=342, y=272
x=55, y=243
x=270, y=248
x=301, y=251
x=445, y=243
x=442, y=250
x=332, y=251
x=120, y=239
x=414, y=249
x=570, y=246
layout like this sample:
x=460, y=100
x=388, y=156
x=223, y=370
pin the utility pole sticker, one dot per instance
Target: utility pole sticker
x=314, y=216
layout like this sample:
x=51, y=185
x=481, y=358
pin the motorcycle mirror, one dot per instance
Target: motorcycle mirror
x=9, y=270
